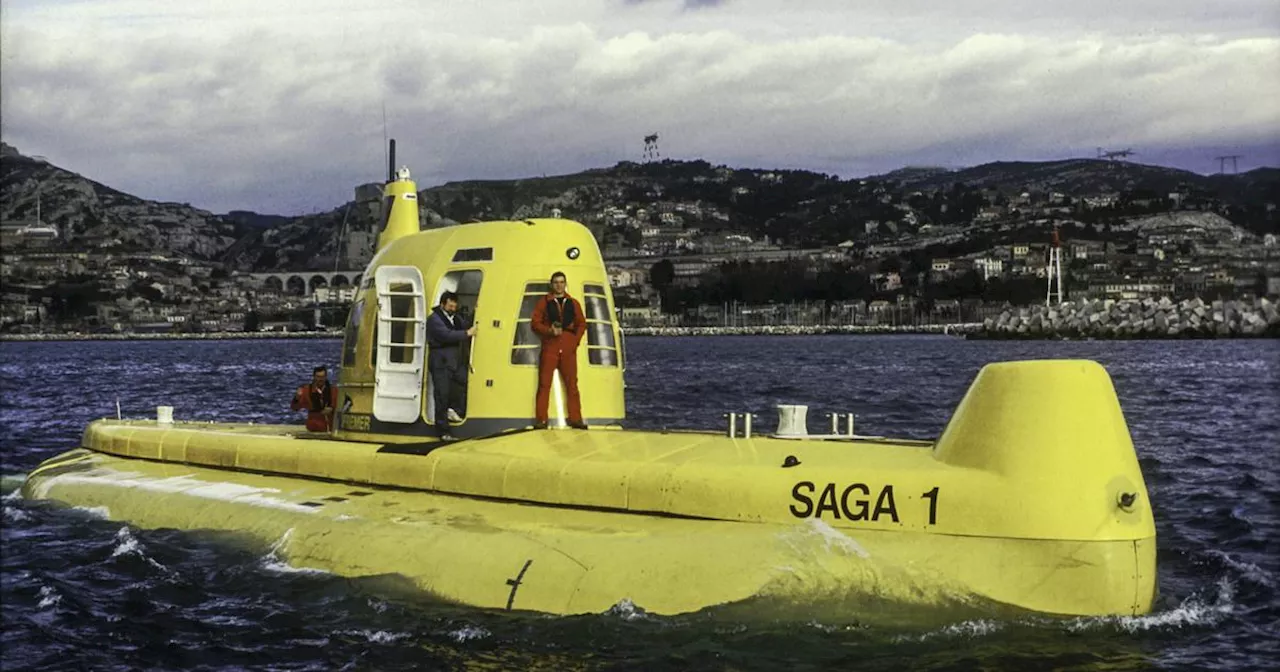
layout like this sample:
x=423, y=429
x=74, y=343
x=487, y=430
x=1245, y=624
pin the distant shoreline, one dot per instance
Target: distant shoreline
x=762, y=330
x=971, y=330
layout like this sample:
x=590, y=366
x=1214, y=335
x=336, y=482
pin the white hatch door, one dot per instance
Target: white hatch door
x=401, y=334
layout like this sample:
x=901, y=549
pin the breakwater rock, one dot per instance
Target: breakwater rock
x=1145, y=318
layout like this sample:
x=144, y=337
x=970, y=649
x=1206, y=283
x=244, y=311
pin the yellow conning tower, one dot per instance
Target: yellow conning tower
x=499, y=270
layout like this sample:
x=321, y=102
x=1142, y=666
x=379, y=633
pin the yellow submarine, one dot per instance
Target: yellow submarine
x=1031, y=500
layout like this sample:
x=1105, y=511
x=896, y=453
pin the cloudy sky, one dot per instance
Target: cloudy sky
x=278, y=105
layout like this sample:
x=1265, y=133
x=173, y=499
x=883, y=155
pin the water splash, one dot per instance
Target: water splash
x=273, y=560
x=49, y=597
x=468, y=632
x=627, y=611
x=378, y=636
x=127, y=544
x=1193, y=612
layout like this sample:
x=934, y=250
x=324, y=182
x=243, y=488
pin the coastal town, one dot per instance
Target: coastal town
x=687, y=244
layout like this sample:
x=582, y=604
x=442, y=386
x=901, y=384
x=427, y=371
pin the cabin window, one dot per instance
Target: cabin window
x=351, y=339
x=602, y=347
x=474, y=254
x=403, y=333
x=525, y=346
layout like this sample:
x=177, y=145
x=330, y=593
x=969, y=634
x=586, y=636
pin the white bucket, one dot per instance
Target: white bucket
x=164, y=415
x=791, y=420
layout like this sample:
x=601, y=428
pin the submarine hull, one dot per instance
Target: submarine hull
x=563, y=560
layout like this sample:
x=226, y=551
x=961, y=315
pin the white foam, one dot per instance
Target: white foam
x=186, y=484
x=281, y=567
x=127, y=544
x=379, y=636
x=273, y=562
x=627, y=610
x=1248, y=570
x=49, y=597
x=1194, y=611
x=13, y=514
x=965, y=629
x=468, y=633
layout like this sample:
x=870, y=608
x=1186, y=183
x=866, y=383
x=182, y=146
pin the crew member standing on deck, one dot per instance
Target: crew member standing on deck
x=318, y=398
x=558, y=320
x=446, y=332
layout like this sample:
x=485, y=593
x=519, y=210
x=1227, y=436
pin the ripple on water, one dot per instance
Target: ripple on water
x=82, y=592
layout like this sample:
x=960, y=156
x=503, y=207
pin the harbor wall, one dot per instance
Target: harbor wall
x=1145, y=318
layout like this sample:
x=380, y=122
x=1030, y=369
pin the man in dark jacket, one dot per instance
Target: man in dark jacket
x=558, y=320
x=446, y=333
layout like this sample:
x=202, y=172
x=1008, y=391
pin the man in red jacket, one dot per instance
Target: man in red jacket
x=558, y=320
x=319, y=398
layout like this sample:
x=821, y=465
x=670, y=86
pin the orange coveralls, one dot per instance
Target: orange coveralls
x=559, y=352
x=317, y=421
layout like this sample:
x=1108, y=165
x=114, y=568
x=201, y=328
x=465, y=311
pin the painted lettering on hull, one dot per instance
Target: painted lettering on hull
x=355, y=422
x=852, y=501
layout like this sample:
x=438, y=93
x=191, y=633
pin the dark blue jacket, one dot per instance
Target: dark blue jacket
x=444, y=338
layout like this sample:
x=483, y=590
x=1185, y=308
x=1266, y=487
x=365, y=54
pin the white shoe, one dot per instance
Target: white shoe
x=453, y=416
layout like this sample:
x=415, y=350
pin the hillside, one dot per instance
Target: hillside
x=792, y=208
x=88, y=213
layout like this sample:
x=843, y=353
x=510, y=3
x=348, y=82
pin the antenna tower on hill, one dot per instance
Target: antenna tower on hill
x=1222, y=163
x=651, y=152
x=1055, y=271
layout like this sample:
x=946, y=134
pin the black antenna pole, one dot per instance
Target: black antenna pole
x=391, y=162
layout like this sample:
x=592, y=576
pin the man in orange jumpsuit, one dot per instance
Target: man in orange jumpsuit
x=559, y=321
x=319, y=398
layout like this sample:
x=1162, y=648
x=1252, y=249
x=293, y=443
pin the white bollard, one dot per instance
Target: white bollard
x=791, y=420
x=164, y=415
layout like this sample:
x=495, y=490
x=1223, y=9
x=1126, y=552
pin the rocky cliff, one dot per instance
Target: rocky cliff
x=87, y=213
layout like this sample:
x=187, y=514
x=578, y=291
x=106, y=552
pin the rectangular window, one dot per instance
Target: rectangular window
x=474, y=254
x=351, y=339
x=602, y=347
x=526, y=345
x=402, y=332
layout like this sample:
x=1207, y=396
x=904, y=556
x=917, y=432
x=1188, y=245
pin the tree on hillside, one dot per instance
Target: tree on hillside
x=662, y=274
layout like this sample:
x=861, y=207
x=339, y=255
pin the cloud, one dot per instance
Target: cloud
x=280, y=109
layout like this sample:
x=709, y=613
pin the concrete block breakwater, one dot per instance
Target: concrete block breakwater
x=1146, y=318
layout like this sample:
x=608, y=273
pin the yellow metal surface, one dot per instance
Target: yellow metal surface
x=565, y=561
x=523, y=253
x=1032, y=497
x=400, y=210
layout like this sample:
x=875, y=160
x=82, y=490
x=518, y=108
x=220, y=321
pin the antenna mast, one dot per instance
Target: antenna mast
x=1055, y=270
